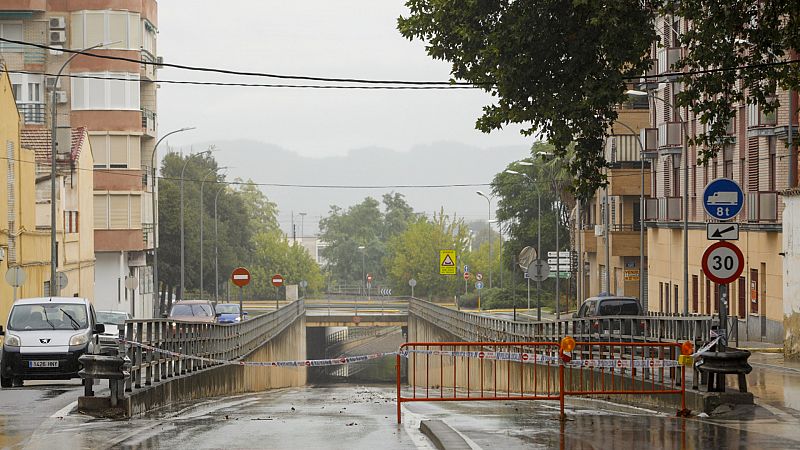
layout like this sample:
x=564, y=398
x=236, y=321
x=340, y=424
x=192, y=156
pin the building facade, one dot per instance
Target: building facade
x=21, y=244
x=758, y=160
x=115, y=99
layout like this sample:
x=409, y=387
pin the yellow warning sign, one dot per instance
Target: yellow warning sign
x=447, y=262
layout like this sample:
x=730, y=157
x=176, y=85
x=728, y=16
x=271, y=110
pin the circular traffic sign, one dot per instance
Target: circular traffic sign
x=466, y=275
x=412, y=282
x=479, y=285
x=538, y=270
x=304, y=284
x=723, y=262
x=240, y=276
x=479, y=276
x=723, y=199
x=369, y=277
x=277, y=280
x=15, y=276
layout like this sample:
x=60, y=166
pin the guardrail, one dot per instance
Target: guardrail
x=473, y=327
x=161, y=348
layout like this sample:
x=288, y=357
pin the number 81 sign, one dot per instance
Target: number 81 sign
x=723, y=262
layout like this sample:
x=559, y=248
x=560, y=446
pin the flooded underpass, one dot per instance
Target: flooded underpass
x=340, y=342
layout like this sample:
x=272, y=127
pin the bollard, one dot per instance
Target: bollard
x=715, y=365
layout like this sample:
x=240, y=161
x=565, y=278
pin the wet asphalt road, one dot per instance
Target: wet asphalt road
x=350, y=416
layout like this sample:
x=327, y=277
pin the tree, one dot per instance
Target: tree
x=750, y=41
x=558, y=67
x=415, y=254
x=275, y=254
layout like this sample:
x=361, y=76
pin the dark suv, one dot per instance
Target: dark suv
x=607, y=311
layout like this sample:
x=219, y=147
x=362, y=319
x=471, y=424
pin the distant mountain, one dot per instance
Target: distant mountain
x=434, y=164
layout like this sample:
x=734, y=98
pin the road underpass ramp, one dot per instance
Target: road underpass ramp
x=443, y=436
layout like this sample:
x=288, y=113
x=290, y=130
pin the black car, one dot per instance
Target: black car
x=604, y=314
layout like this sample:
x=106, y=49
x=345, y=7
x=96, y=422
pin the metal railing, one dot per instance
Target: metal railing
x=32, y=112
x=160, y=348
x=148, y=121
x=473, y=327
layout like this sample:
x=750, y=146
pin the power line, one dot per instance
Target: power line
x=262, y=85
x=242, y=73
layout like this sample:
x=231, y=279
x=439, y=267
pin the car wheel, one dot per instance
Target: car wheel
x=18, y=382
x=5, y=382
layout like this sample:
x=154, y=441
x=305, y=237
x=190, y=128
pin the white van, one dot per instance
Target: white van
x=44, y=337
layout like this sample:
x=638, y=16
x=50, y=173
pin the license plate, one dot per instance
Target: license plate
x=42, y=363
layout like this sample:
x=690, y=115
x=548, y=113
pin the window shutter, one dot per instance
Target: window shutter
x=118, y=151
x=136, y=211
x=118, y=213
x=100, y=150
x=752, y=164
x=666, y=175
x=101, y=211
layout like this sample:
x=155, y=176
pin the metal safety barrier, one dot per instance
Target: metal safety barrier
x=486, y=371
x=170, y=348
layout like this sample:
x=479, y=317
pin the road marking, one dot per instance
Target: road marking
x=63, y=412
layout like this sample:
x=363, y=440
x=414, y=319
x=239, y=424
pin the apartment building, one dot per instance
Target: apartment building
x=115, y=100
x=758, y=160
x=21, y=244
x=610, y=231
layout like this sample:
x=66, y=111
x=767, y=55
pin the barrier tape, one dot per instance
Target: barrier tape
x=297, y=363
x=706, y=347
x=540, y=358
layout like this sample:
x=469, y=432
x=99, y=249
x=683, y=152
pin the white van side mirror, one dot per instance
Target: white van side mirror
x=2, y=332
x=99, y=328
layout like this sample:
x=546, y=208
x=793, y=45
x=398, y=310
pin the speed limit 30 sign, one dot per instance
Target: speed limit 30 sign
x=723, y=262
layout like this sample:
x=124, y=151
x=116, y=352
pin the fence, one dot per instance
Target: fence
x=505, y=371
x=473, y=327
x=159, y=348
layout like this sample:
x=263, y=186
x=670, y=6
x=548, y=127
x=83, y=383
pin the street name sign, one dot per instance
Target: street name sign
x=723, y=199
x=722, y=231
x=723, y=262
x=240, y=276
x=447, y=262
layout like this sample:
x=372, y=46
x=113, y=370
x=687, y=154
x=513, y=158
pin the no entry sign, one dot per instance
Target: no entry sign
x=277, y=280
x=723, y=262
x=240, y=276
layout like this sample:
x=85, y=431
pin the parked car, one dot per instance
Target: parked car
x=229, y=313
x=604, y=306
x=201, y=311
x=114, y=321
x=44, y=337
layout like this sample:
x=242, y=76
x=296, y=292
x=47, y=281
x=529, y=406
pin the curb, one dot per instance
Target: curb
x=762, y=349
x=443, y=436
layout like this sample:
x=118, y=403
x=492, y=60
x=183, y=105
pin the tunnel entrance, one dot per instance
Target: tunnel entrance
x=334, y=342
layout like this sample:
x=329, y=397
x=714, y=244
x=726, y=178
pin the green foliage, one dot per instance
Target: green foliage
x=557, y=67
x=415, y=254
x=362, y=225
x=752, y=36
x=274, y=254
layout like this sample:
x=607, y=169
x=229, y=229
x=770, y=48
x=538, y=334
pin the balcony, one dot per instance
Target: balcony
x=589, y=240
x=149, y=122
x=670, y=136
x=667, y=57
x=148, y=70
x=760, y=123
x=148, y=236
x=33, y=113
x=35, y=56
x=669, y=208
x=625, y=240
x=622, y=148
x=762, y=206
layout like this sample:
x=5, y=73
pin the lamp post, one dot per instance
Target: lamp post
x=685, y=158
x=363, y=272
x=54, y=287
x=489, y=222
x=202, y=203
x=183, y=252
x=302, y=217
x=154, y=210
x=216, y=252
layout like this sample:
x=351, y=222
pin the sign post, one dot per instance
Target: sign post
x=15, y=277
x=723, y=262
x=240, y=277
x=478, y=287
x=538, y=271
x=277, y=281
x=412, y=282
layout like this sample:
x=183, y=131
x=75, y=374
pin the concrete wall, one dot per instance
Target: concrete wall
x=791, y=276
x=231, y=379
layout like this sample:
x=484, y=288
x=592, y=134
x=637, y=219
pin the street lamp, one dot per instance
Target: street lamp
x=54, y=287
x=685, y=158
x=183, y=256
x=202, y=203
x=302, y=217
x=153, y=196
x=363, y=272
x=216, y=252
x=489, y=221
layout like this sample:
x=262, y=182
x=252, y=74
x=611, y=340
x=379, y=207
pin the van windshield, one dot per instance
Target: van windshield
x=49, y=316
x=197, y=309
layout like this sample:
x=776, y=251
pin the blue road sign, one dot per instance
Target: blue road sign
x=479, y=285
x=723, y=199
x=466, y=268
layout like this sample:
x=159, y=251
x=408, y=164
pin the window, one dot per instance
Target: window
x=71, y=221
x=149, y=37
x=95, y=27
x=93, y=93
x=11, y=30
x=116, y=151
x=117, y=211
x=773, y=165
x=28, y=94
x=727, y=162
x=676, y=176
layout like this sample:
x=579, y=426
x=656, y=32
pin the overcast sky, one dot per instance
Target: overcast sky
x=343, y=38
